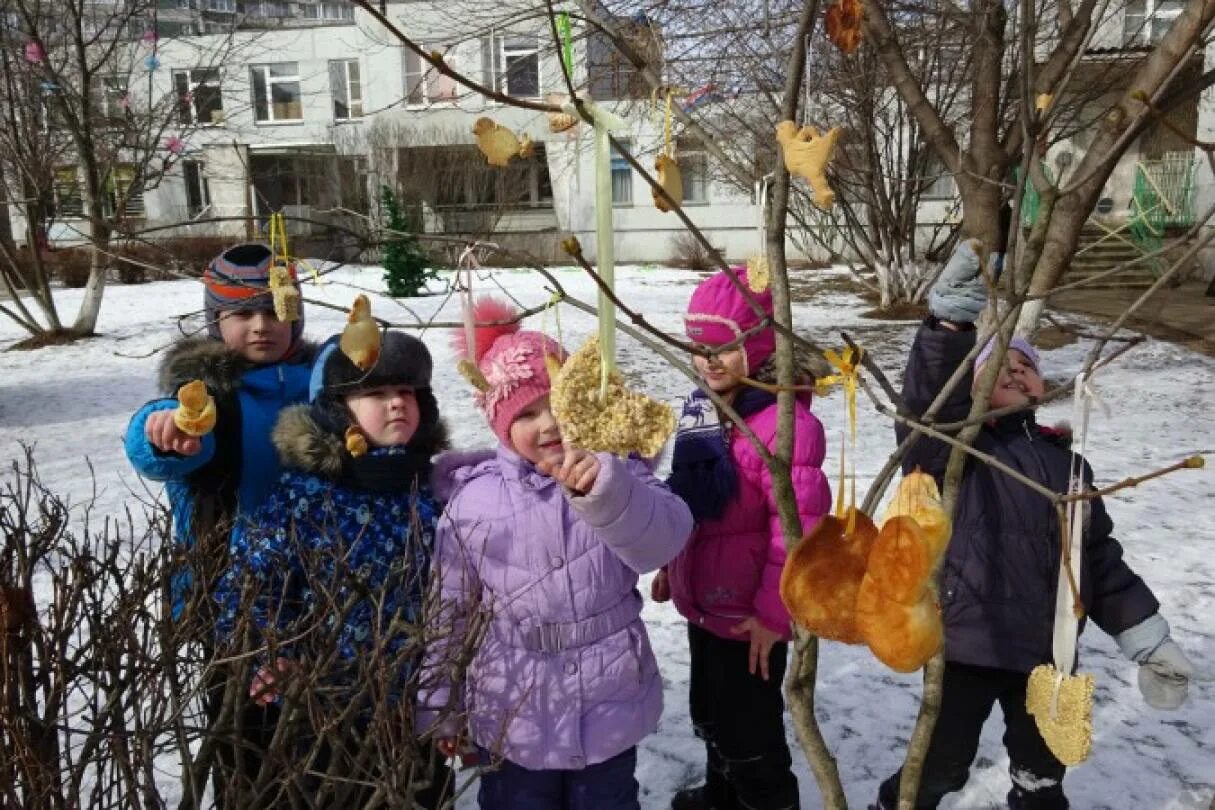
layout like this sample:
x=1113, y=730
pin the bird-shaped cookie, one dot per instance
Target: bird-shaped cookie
x=195, y=414
x=499, y=144
x=286, y=296
x=807, y=154
x=671, y=180
x=821, y=578
x=360, y=340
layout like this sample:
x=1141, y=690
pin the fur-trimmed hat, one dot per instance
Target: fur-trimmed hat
x=239, y=280
x=510, y=361
x=718, y=314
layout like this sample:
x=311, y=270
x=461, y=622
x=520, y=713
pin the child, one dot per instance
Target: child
x=1000, y=573
x=726, y=582
x=254, y=365
x=339, y=524
x=548, y=541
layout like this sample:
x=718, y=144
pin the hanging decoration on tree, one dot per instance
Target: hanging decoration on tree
x=360, y=339
x=152, y=63
x=500, y=144
x=560, y=121
x=1062, y=703
x=665, y=166
x=175, y=146
x=149, y=37
x=35, y=54
x=758, y=271
x=195, y=415
x=807, y=153
x=844, y=21
x=282, y=272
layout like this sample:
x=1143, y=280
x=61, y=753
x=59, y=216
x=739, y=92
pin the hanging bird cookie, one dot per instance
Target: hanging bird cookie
x=625, y=422
x=360, y=340
x=823, y=574
x=669, y=177
x=499, y=144
x=195, y=414
x=283, y=290
x=807, y=154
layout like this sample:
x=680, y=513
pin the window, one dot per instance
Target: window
x=513, y=64
x=122, y=186
x=424, y=84
x=327, y=11
x=346, y=89
x=622, y=177
x=198, y=190
x=68, y=201
x=276, y=92
x=199, y=100
x=694, y=169
x=937, y=183
x=110, y=98
x=1145, y=22
x=220, y=5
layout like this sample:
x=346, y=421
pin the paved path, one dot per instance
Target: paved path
x=1182, y=314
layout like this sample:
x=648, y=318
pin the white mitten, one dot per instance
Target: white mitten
x=1164, y=677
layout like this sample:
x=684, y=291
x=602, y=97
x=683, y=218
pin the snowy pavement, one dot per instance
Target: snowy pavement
x=72, y=403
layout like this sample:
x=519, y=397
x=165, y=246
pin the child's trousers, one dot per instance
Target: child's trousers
x=740, y=717
x=968, y=695
x=609, y=785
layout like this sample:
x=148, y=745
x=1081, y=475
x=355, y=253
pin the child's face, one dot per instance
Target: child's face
x=257, y=335
x=722, y=372
x=388, y=414
x=534, y=433
x=1018, y=381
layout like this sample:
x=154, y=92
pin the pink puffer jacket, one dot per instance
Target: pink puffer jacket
x=730, y=569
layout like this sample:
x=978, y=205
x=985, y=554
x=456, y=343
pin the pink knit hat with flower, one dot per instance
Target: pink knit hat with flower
x=510, y=361
x=718, y=314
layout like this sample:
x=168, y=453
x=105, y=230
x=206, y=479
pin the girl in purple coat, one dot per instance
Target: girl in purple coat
x=544, y=544
x=726, y=582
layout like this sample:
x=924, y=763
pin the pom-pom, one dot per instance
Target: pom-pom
x=486, y=311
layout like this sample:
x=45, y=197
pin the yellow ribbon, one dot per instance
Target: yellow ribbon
x=848, y=366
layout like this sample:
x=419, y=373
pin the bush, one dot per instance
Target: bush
x=71, y=266
x=690, y=253
x=406, y=265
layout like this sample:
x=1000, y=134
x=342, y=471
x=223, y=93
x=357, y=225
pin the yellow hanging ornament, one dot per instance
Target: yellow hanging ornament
x=282, y=272
x=807, y=154
x=1062, y=708
x=498, y=143
x=758, y=274
x=360, y=340
x=356, y=442
x=620, y=423
x=195, y=414
x=669, y=177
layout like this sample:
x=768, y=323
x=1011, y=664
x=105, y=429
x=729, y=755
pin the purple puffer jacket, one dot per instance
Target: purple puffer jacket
x=731, y=567
x=565, y=676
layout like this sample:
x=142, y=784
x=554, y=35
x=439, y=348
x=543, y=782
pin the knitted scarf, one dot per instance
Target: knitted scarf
x=702, y=471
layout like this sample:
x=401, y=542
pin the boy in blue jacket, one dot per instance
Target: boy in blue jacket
x=253, y=365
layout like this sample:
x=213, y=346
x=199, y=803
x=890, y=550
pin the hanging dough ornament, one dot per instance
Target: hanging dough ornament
x=282, y=272
x=195, y=414
x=896, y=610
x=669, y=177
x=560, y=121
x=807, y=154
x=844, y=22
x=759, y=275
x=1060, y=702
x=621, y=423
x=821, y=579
x=360, y=340
x=356, y=442
x=499, y=144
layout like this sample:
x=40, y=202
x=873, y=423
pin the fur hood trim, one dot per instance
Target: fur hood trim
x=303, y=444
x=213, y=363
x=452, y=469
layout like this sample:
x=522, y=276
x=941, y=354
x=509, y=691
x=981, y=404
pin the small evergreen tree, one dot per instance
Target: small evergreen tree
x=406, y=265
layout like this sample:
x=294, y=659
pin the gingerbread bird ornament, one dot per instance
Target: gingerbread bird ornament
x=807, y=153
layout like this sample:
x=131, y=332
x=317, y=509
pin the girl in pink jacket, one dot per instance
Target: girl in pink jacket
x=726, y=581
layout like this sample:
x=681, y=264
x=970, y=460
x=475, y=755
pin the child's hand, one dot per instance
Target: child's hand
x=660, y=588
x=762, y=640
x=264, y=689
x=960, y=293
x=163, y=434
x=576, y=471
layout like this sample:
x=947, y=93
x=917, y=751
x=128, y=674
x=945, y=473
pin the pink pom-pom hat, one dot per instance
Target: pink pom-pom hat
x=718, y=314
x=512, y=361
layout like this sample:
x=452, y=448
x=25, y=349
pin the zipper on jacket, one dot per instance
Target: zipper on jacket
x=1025, y=427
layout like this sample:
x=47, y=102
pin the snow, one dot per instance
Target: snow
x=72, y=403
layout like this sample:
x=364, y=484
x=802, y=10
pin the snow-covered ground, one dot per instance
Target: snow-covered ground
x=73, y=403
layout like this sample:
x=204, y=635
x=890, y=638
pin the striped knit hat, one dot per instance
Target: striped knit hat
x=239, y=280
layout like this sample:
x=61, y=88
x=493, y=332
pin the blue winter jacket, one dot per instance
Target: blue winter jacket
x=237, y=466
x=1000, y=573
x=320, y=540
